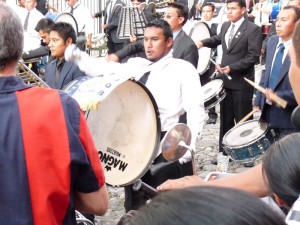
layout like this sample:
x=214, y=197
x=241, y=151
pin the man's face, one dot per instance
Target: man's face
x=71, y=2
x=234, y=11
x=285, y=24
x=155, y=45
x=45, y=36
x=172, y=17
x=207, y=13
x=294, y=74
x=30, y=5
x=57, y=45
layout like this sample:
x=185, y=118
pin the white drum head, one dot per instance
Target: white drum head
x=67, y=18
x=247, y=132
x=31, y=41
x=126, y=132
x=199, y=32
x=212, y=88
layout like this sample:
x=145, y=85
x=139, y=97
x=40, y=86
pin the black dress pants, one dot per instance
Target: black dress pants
x=234, y=107
x=135, y=199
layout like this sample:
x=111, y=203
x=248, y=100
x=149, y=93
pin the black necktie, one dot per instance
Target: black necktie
x=26, y=22
x=72, y=10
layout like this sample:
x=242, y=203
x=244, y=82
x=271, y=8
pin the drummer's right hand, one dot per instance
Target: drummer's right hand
x=113, y=57
x=256, y=107
x=188, y=181
x=199, y=44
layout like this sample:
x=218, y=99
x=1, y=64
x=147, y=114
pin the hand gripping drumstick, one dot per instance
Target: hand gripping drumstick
x=229, y=77
x=246, y=117
x=279, y=101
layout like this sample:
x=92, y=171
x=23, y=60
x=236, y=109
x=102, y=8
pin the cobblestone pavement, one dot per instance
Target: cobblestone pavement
x=206, y=150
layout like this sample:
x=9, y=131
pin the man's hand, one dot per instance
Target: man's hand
x=187, y=157
x=256, y=107
x=104, y=26
x=188, y=181
x=270, y=95
x=89, y=44
x=112, y=57
x=199, y=44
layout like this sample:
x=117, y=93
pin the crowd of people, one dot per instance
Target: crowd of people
x=51, y=168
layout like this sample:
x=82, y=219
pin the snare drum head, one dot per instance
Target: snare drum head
x=126, y=132
x=67, y=18
x=212, y=88
x=247, y=132
x=200, y=31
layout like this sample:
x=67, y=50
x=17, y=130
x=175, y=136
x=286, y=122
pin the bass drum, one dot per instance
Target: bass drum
x=125, y=128
x=199, y=32
x=67, y=18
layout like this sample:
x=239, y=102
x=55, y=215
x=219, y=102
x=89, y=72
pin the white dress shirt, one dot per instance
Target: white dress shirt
x=260, y=17
x=83, y=18
x=174, y=84
x=34, y=17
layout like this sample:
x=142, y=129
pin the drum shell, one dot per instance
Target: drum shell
x=251, y=150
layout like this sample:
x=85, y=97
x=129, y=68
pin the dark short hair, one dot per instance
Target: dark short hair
x=206, y=206
x=282, y=160
x=65, y=31
x=209, y=4
x=241, y=3
x=45, y=25
x=296, y=11
x=165, y=26
x=182, y=10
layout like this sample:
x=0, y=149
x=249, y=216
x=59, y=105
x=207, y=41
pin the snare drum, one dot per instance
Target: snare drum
x=248, y=141
x=126, y=131
x=214, y=93
x=199, y=32
x=98, y=40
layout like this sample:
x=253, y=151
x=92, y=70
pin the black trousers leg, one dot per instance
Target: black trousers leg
x=235, y=106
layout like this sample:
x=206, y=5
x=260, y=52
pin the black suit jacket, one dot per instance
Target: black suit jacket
x=69, y=72
x=113, y=22
x=242, y=54
x=183, y=48
x=278, y=117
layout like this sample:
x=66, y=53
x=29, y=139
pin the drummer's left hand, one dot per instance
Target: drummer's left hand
x=188, y=181
x=187, y=157
x=89, y=44
x=225, y=69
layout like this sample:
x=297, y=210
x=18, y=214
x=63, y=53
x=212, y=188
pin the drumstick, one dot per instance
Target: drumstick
x=246, y=117
x=229, y=77
x=279, y=101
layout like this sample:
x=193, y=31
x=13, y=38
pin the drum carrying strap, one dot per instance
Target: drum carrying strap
x=144, y=78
